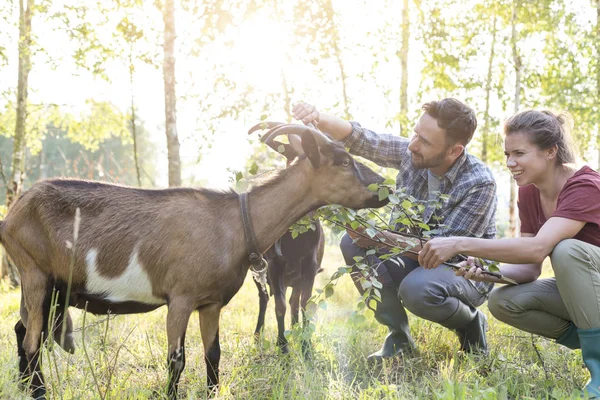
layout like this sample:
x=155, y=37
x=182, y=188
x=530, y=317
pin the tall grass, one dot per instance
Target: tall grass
x=124, y=357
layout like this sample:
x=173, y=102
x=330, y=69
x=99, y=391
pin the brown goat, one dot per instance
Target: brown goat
x=292, y=262
x=140, y=249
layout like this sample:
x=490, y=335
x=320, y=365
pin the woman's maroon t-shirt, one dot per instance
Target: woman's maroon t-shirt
x=578, y=200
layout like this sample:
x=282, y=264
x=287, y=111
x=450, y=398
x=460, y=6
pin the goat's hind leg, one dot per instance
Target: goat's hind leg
x=24, y=373
x=209, y=328
x=177, y=320
x=36, y=295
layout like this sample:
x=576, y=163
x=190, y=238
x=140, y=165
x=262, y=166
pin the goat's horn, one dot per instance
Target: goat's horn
x=295, y=129
x=264, y=125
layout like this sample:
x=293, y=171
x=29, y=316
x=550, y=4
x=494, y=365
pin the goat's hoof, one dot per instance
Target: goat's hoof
x=39, y=393
x=284, y=348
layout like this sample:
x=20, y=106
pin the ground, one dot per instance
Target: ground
x=125, y=357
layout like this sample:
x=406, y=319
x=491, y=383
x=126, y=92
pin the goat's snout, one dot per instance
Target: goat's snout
x=368, y=177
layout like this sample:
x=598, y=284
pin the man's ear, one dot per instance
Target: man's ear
x=311, y=149
x=456, y=150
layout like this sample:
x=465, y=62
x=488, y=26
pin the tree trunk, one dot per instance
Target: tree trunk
x=13, y=190
x=404, y=73
x=335, y=39
x=170, y=99
x=512, y=209
x=488, y=90
x=598, y=74
x=133, y=127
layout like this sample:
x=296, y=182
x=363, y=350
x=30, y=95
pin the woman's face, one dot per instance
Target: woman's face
x=526, y=162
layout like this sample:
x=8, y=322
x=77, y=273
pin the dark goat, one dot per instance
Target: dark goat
x=291, y=263
x=140, y=249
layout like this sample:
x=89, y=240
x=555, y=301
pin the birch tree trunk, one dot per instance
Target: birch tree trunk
x=337, y=53
x=512, y=209
x=488, y=90
x=15, y=182
x=170, y=99
x=404, y=131
x=598, y=74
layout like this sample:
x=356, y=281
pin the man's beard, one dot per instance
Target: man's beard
x=421, y=163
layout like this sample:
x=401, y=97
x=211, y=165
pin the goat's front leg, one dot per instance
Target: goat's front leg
x=308, y=282
x=295, y=303
x=280, y=309
x=209, y=328
x=177, y=321
x=263, y=299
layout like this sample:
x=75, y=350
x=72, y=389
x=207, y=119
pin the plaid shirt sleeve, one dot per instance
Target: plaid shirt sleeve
x=474, y=214
x=385, y=150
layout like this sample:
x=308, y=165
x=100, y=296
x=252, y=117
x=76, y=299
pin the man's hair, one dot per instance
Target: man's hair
x=456, y=118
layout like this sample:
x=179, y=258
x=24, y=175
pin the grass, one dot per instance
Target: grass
x=126, y=358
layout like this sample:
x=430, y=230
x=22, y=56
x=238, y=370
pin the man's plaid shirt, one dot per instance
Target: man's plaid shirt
x=469, y=184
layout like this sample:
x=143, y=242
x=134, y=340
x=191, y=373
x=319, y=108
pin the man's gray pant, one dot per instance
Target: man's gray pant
x=437, y=295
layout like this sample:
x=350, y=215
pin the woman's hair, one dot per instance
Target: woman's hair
x=545, y=129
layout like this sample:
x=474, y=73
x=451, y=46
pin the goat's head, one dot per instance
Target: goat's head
x=338, y=178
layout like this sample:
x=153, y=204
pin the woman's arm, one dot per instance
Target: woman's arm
x=521, y=250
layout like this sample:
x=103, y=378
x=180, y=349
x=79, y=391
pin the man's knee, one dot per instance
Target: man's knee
x=418, y=296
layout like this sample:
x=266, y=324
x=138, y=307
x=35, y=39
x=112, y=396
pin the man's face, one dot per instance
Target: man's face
x=428, y=145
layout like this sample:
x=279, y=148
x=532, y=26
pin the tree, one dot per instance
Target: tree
x=170, y=96
x=403, y=55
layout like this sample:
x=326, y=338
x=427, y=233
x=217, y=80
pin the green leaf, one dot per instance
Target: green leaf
x=328, y=291
x=253, y=169
x=406, y=205
x=238, y=176
x=373, y=187
x=389, y=181
x=394, y=199
x=383, y=193
x=377, y=284
x=371, y=232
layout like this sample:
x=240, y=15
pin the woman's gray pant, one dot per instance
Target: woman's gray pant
x=550, y=307
x=437, y=295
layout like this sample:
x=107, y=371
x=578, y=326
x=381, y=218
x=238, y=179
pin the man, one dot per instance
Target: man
x=434, y=160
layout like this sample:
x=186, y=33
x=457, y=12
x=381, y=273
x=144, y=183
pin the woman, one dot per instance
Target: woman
x=559, y=209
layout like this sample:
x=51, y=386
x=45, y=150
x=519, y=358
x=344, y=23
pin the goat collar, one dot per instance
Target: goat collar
x=257, y=262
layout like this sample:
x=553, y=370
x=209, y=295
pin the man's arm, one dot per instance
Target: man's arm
x=386, y=239
x=384, y=150
x=336, y=127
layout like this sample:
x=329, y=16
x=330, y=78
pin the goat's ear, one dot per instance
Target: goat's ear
x=284, y=149
x=311, y=149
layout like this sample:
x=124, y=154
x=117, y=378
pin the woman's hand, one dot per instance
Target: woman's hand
x=473, y=272
x=437, y=251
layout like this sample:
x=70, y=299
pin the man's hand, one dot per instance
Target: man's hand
x=307, y=113
x=437, y=251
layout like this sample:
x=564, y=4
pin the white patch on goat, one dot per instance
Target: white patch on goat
x=132, y=285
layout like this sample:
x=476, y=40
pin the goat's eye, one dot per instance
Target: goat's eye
x=345, y=163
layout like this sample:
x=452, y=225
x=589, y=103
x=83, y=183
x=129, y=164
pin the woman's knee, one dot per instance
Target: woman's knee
x=505, y=305
x=564, y=253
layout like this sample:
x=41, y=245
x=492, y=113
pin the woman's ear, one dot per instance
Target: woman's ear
x=551, y=152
